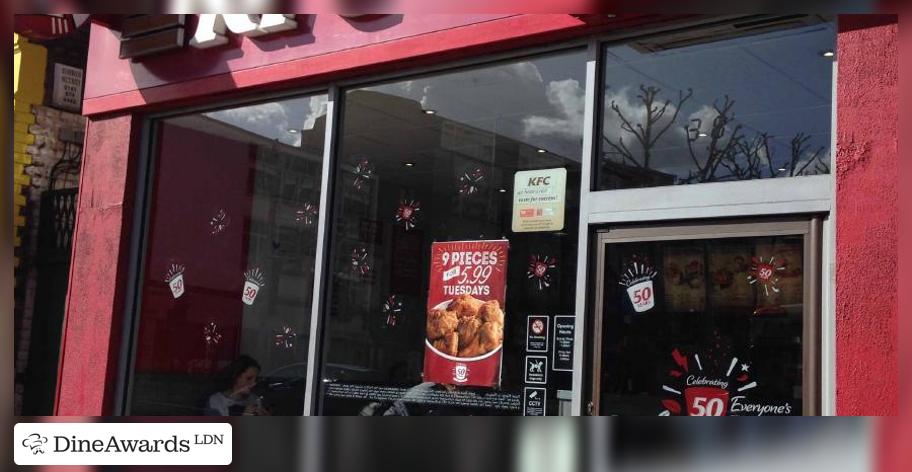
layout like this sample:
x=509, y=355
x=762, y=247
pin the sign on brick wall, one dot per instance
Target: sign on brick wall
x=67, y=87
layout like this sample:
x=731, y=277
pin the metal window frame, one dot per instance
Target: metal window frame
x=809, y=227
x=816, y=194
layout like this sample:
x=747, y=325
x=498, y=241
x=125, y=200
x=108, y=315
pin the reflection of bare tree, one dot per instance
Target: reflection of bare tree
x=646, y=134
x=720, y=150
x=719, y=153
x=758, y=156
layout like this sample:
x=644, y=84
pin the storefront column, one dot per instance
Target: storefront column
x=99, y=274
x=867, y=167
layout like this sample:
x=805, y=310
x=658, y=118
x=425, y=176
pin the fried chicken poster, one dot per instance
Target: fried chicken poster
x=465, y=313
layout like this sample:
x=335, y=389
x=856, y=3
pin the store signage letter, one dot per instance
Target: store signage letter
x=211, y=29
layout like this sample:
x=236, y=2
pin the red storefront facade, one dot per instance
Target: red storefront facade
x=857, y=347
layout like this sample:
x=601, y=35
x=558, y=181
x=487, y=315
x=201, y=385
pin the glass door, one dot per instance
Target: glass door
x=707, y=320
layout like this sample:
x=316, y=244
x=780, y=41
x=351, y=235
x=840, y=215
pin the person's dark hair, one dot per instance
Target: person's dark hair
x=238, y=367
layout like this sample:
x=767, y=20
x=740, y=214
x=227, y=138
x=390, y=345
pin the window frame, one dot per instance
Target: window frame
x=808, y=226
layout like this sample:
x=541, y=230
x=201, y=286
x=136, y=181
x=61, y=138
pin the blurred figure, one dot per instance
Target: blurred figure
x=237, y=398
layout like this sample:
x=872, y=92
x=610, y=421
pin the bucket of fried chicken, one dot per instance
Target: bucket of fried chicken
x=465, y=313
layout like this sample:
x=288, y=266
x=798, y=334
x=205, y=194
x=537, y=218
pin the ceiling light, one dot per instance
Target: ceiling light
x=702, y=135
x=293, y=131
x=409, y=164
x=540, y=151
x=503, y=190
x=782, y=169
x=828, y=54
x=430, y=112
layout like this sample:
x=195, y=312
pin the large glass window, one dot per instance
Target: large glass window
x=434, y=159
x=229, y=266
x=716, y=105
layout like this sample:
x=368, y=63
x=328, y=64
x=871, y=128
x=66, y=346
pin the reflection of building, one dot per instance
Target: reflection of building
x=420, y=156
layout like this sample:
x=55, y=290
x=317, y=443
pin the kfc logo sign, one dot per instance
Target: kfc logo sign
x=212, y=28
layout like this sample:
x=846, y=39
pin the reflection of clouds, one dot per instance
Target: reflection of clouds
x=273, y=120
x=634, y=111
x=569, y=99
x=266, y=119
x=317, y=108
x=512, y=100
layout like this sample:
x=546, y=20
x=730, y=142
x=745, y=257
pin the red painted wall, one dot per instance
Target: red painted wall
x=867, y=169
x=98, y=274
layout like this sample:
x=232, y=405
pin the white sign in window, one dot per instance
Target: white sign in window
x=538, y=200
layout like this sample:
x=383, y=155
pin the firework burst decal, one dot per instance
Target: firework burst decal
x=765, y=274
x=307, y=214
x=285, y=337
x=471, y=181
x=364, y=172
x=219, y=222
x=638, y=280
x=540, y=270
x=407, y=213
x=392, y=310
x=359, y=261
x=211, y=334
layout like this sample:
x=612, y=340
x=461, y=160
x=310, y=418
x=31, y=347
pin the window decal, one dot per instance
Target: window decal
x=285, y=338
x=638, y=280
x=364, y=172
x=254, y=281
x=359, y=262
x=540, y=270
x=407, y=213
x=392, y=310
x=307, y=214
x=471, y=180
x=175, y=280
x=219, y=222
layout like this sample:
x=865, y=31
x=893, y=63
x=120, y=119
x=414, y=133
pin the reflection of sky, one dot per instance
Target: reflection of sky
x=281, y=120
x=779, y=81
x=539, y=102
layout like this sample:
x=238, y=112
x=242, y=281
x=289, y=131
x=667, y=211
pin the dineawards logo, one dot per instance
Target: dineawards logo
x=122, y=444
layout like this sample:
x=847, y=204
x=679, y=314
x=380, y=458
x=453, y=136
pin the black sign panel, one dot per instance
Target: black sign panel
x=564, y=330
x=537, y=370
x=537, y=334
x=534, y=401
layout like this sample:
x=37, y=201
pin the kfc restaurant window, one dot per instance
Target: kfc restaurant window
x=636, y=224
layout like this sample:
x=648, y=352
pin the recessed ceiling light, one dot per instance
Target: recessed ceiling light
x=828, y=54
x=503, y=190
x=540, y=151
x=702, y=135
x=430, y=112
x=293, y=131
x=409, y=164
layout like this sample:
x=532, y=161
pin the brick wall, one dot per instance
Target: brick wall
x=38, y=146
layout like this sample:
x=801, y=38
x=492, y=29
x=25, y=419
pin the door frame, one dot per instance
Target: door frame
x=810, y=227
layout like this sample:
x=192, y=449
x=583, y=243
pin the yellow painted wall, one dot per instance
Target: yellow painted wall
x=29, y=65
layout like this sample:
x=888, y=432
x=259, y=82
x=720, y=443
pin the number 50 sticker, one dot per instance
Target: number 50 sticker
x=642, y=295
x=706, y=401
